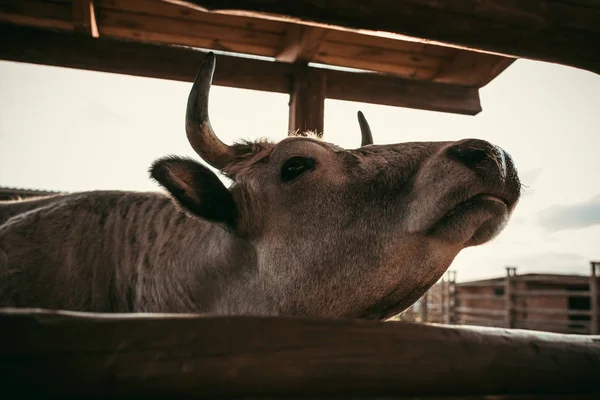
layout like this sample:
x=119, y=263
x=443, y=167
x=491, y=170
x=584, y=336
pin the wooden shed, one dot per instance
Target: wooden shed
x=547, y=302
x=10, y=193
x=431, y=55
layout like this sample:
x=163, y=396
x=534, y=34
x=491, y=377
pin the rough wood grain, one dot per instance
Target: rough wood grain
x=81, y=354
x=300, y=43
x=307, y=100
x=548, y=30
x=380, y=89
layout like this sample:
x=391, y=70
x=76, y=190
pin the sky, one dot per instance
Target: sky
x=72, y=130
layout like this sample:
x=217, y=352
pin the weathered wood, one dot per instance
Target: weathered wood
x=594, y=309
x=157, y=29
x=307, y=100
x=509, y=305
x=562, y=280
x=38, y=13
x=169, y=23
x=548, y=30
x=490, y=284
x=64, y=49
x=47, y=353
x=551, y=311
x=47, y=47
x=471, y=68
x=552, y=293
x=467, y=296
x=300, y=43
x=84, y=17
x=480, y=311
x=381, y=89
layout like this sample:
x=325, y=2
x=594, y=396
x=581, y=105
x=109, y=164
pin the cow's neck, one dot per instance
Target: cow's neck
x=213, y=272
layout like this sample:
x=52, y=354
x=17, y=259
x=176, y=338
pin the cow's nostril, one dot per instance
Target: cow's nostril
x=469, y=156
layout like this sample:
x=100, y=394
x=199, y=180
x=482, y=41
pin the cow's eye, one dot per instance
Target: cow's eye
x=296, y=166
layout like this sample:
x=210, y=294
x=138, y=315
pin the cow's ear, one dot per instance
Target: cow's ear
x=196, y=188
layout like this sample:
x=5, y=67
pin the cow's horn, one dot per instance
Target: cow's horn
x=197, y=124
x=365, y=130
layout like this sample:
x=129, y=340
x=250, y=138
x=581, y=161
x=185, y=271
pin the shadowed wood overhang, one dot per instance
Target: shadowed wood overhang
x=164, y=39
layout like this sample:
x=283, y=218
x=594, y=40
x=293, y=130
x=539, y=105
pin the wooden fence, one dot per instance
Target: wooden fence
x=512, y=303
x=49, y=354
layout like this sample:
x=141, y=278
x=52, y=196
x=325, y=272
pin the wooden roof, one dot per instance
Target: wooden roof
x=163, y=22
x=127, y=22
x=561, y=279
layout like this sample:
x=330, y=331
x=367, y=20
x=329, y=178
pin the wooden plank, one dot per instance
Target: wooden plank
x=385, y=42
x=389, y=90
x=468, y=296
x=471, y=68
x=84, y=17
x=480, y=311
x=37, y=13
x=552, y=293
x=177, y=63
x=187, y=32
x=300, y=43
x=481, y=321
x=382, y=55
x=155, y=61
x=79, y=354
x=562, y=280
x=403, y=68
x=307, y=100
x=546, y=30
x=490, y=284
x=551, y=311
x=181, y=12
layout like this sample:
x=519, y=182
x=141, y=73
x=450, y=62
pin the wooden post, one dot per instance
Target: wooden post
x=452, y=297
x=424, y=307
x=508, y=296
x=307, y=100
x=594, y=297
x=443, y=309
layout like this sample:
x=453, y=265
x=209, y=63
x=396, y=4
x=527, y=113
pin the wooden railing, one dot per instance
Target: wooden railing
x=48, y=354
x=446, y=304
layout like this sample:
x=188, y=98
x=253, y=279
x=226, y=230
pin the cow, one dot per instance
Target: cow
x=306, y=228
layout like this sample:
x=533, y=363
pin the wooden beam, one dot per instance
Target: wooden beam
x=564, y=32
x=472, y=69
x=48, y=354
x=300, y=43
x=41, y=46
x=385, y=89
x=84, y=17
x=307, y=100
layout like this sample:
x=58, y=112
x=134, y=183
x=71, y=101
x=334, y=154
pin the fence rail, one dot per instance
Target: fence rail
x=50, y=354
x=516, y=305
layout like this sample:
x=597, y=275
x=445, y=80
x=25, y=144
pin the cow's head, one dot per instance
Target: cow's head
x=349, y=233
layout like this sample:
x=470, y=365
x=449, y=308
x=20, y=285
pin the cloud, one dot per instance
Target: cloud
x=571, y=216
